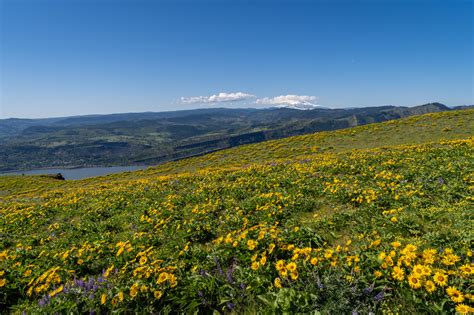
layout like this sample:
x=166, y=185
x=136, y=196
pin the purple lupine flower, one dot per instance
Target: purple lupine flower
x=230, y=306
x=201, y=295
x=91, y=284
x=320, y=285
x=369, y=289
x=44, y=300
x=218, y=265
x=230, y=273
x=379, y=297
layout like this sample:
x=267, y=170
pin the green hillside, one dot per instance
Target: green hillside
x=152, y=138
x=376, y=218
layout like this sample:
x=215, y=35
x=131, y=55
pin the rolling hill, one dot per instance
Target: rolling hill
x=375, y=218
x=152, y=138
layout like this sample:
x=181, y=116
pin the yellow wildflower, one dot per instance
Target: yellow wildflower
x=172, y=280
x=440, y=279
x=455, y=295
x=398, y=273
x=450, y=259
x=291, y=267
x=103, y=299
x=158, y=294
x=429, y=256
x=375, y=243
x=280, y=265
x=120, y=251
x=270, y=248
x=134, y=290
x=467, y=269
x=414, y=282
x=463, y=309
x=418, y=270
x=408, y=249
x=277, y=283
x=162, y=278
x=426, y=270
x=430, y=286
x=251, y=244
x=108, y=271
x=58, y=290
x=255, y=265
x=396, y=244
x=328, y=253
x=294, y=275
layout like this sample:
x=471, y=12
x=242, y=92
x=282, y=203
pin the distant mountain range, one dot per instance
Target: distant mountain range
x=151, y=138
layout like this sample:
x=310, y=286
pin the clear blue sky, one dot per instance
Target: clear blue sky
x=82, y=57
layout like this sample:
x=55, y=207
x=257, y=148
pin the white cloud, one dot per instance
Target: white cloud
x=291, y=101
x=217, y=98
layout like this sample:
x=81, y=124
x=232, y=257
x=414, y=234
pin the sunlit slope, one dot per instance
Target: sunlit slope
x=413, y=130
x=371, y=219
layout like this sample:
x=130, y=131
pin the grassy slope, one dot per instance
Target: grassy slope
x=413, y=130
x=317, y=183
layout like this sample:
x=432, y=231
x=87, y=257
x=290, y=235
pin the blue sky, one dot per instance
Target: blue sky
x=82, y=57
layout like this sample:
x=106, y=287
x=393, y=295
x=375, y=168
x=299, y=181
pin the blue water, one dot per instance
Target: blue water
x=79, y=173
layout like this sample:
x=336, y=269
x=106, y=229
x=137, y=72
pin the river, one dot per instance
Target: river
x=79, y=173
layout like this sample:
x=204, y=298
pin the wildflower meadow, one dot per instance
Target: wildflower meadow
x=375, y=219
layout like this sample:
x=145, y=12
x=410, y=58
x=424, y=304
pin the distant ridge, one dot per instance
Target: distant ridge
x=150, y=138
